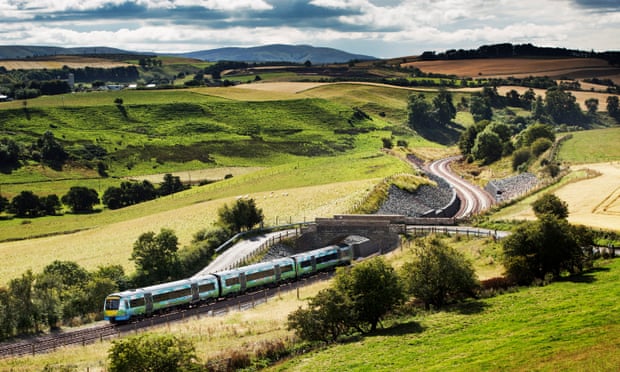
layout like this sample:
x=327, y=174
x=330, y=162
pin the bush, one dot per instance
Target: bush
x=540, y=145
x=520, y=156
x=151, y=353
x=438, y=274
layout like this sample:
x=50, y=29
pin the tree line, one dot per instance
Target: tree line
x=505, y=50
x=81, y=199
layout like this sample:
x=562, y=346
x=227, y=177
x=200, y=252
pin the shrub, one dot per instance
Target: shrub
x=520, y=156
x=540, y=145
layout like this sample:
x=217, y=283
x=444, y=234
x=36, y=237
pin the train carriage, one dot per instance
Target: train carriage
x=148, y=300
x=326, y=258
x=239, y=280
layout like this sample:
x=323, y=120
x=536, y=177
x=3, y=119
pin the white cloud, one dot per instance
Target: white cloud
x=396, y=27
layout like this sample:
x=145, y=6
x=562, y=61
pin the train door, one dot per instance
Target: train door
x=278, y=272
x=148, y=303
x=195, y=293
x=242, y=282
x=313, y=264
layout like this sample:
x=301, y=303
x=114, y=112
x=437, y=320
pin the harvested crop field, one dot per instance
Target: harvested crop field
x=58, y=63
x=592, y=202
x=522, y=67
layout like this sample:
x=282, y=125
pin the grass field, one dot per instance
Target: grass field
x=592, y=146
x=567, y=326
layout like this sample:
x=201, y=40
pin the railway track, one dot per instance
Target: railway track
x=52, y=341
x=473, y=199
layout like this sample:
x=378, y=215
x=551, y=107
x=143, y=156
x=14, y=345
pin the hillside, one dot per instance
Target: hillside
x=30, y=51
x=279, y=53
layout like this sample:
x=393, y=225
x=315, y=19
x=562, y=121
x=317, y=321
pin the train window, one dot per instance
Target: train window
x=137, y=302
x=172, y=295
x=327, y=258
x=286, y=268
x=112, y=303
x=232, y=281
x=306, y=263
x=261, y=275
x=207, y=287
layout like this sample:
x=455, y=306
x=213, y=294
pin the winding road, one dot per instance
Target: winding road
x=473, y=199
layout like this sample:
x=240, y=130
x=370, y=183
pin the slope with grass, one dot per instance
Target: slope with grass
x=571, y=325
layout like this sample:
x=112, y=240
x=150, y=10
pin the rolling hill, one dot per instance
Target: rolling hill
x=279, y=53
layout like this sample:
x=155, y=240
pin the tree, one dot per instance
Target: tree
x=467, y=139
x=480, y=108
x=325, y=319
x=540, y=145
x=540, y=248
x=444, y=110
x=538, y=108
x=81, y=199
x=613, y=106
x=156, y=257
x=152, y=353
x=438, y=273
x=373, y=289
x=50, y=205
x=7, y=317
x=419, y=112
x=171, y=185
x=9, y=151
x=562, y=106
x=520, y=157
x=487, y=147
x=550, y=204
x=4, y=203
x=26, y=204
x=22, y=305
x=534, y=132
x=592, y=106
x=51, y=150
x=243, y=215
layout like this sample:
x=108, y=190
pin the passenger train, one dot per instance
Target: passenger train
x=138, y=303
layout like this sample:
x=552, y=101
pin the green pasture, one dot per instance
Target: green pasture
x=570, y=325
x=592, y=146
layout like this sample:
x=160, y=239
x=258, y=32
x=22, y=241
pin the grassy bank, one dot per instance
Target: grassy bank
x=572, y=325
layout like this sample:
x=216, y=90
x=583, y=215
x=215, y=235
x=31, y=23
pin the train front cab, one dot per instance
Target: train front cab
x=116, y=309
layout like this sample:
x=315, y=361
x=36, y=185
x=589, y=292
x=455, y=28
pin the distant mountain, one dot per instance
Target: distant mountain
x=278, y=53
x=30, y=51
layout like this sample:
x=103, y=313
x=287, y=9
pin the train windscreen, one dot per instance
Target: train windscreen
x=112, y=303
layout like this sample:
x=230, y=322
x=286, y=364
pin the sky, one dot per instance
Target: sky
x=380, y=28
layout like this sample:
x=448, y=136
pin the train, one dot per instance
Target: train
x=138, y=303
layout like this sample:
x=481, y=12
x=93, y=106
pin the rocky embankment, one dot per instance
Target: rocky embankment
x=418, y=203
x=511, y=187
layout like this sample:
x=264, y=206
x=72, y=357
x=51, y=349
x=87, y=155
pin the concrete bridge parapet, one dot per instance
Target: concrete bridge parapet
x=382, y=232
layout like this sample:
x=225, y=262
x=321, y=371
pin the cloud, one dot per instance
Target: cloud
x=376, y=27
